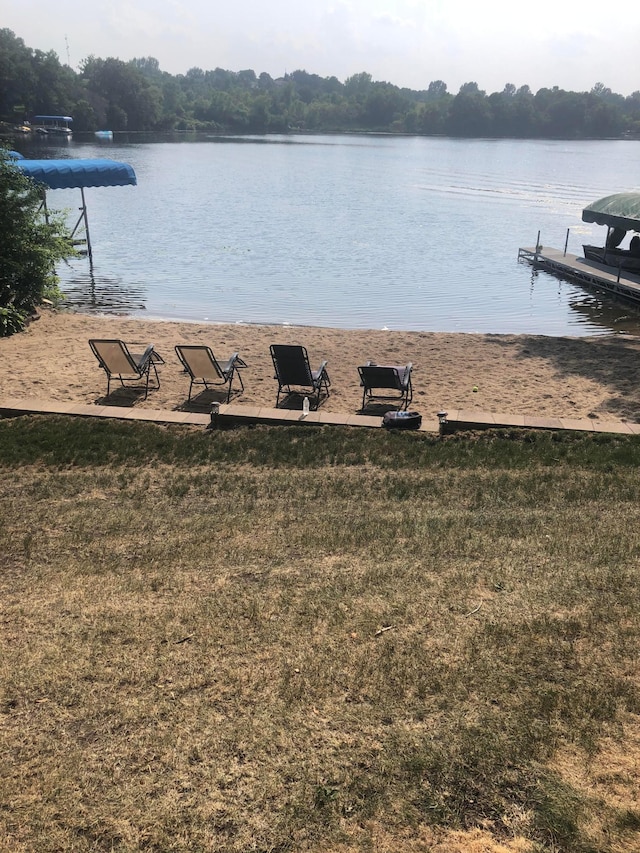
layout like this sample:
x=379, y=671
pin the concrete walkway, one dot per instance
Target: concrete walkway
x=238, y=414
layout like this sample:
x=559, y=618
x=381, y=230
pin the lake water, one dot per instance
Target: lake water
x=346, y=231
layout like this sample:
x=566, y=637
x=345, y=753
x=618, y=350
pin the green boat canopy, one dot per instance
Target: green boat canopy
x=621, y=210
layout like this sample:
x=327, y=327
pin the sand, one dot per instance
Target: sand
x=596, y=377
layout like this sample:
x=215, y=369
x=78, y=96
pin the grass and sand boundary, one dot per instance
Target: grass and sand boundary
x=319, y=639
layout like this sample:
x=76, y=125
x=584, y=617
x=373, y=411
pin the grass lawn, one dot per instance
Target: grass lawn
x=317, y=639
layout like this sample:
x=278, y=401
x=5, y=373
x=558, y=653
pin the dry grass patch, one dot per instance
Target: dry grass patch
x=322, y=656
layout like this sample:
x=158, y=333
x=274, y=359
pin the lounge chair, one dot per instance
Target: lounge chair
x=295, y=376
x=394, y=381
x=118, y=362
x=204, y=369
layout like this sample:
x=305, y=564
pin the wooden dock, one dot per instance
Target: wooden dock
x=621, y=283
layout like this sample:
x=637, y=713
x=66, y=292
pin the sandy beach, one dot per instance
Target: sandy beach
x=597, y=377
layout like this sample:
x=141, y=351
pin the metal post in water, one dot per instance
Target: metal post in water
x=43, y=206
x=566, y=242
x=86, y=225
x=537, y=247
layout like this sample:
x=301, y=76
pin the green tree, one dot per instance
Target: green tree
x=30, y=246
x=84, y=116
x=17, y=78
x=382, y=105
x=437, y=89
x=127, y=90
x=358, y=85
x=470, y=113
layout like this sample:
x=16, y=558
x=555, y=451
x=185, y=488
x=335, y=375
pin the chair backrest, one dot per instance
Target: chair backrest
x=380, y=376
x=199, y=361
x=291, y=364
x=113, y=356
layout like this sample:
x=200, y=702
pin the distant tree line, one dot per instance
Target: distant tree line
x=109, y=94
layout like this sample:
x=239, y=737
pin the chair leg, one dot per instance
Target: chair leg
x=146, y=385
x=147, y=373
x=155, y=370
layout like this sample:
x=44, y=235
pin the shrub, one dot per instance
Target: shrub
x=30, y=246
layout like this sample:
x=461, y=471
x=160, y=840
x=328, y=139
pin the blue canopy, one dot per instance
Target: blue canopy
x=67, y=174
x=53, y=118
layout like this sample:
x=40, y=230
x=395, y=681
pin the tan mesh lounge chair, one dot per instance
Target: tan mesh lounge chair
x=386, y=383
x=204, y=369
x=295, y=376
x=130, y=368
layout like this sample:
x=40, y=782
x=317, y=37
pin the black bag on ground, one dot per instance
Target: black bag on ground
x=402, y=420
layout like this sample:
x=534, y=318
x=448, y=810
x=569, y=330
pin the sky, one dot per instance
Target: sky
x=573, y=44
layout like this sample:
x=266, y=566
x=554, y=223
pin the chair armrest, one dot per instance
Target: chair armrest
x=406, y=376
x=141, y=360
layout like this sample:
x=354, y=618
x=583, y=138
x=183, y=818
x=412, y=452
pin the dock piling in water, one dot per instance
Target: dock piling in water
x=614, y=280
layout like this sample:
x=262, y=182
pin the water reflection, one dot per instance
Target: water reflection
x=607, y=313
x=592, y=307
x=89, y=291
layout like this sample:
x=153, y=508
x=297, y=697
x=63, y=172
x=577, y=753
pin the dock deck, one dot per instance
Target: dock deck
x=622, y=283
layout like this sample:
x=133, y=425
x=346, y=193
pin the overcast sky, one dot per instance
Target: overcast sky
x=572, y=44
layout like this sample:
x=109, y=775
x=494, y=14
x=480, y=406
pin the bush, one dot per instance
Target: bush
x=11, y=321
x=30, y=246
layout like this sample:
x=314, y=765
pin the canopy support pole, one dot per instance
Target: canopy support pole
x=43, y=205
x=83, y=218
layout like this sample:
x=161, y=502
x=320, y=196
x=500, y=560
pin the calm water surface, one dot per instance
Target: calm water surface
x=346, y=231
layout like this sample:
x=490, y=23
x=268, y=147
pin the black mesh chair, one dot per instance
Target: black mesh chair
x=295, y=376
x=382, y=383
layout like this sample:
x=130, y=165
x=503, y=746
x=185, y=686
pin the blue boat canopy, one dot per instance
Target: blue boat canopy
x=68, y=174
x=52, y=118
x=72, y=174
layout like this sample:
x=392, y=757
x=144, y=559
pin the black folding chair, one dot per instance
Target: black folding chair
x=386, y=383
x=295, y=376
